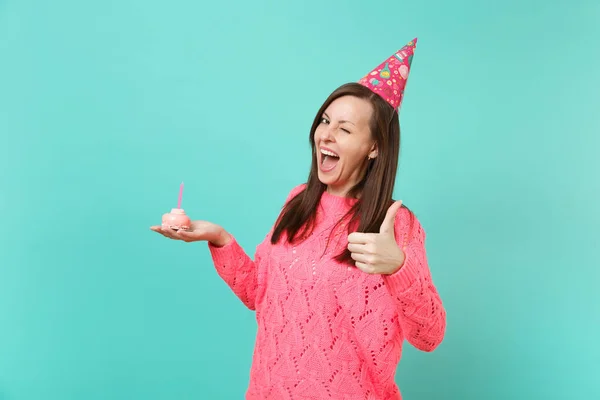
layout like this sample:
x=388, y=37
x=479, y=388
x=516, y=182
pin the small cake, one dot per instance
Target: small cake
x=176, y=219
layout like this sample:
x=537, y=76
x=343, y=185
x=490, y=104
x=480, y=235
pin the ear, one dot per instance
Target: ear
x=373, y=153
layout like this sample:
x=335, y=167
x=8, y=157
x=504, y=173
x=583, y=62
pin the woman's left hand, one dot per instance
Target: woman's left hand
x=378, y=253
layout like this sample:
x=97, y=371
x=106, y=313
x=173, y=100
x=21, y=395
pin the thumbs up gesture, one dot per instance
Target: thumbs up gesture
x=378, y=253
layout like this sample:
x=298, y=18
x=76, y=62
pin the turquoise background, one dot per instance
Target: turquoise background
x=106, y=106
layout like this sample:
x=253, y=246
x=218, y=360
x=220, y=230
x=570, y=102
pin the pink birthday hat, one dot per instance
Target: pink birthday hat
x=388, y=80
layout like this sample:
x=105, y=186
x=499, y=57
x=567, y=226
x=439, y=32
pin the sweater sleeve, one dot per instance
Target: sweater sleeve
x=237, y=269
x=422, y=314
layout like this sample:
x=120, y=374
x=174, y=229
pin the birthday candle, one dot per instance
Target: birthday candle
x=180, y=195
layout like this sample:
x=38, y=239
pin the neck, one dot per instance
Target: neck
x=338, y=191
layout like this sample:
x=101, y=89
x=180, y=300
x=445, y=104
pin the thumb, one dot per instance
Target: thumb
x=387, y=226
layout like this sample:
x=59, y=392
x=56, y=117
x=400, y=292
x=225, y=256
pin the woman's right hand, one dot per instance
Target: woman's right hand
x=199, y=231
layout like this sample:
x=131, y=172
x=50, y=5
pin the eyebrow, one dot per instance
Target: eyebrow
x=342, y=121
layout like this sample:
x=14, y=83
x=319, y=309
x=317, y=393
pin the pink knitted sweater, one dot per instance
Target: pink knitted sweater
x=328, y=330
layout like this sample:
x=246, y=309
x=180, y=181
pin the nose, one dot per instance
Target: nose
x=327, y=133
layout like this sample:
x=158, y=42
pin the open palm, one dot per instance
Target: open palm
x=198, y=231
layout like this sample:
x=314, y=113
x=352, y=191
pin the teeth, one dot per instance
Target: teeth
x=329, y=153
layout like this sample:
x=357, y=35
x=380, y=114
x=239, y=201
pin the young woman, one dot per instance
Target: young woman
x=342, y=279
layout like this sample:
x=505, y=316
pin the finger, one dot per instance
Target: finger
x=361, y=238
x=363, y=258
x=170, y=233
x=364, y=267
x=185, y=235
x=358, y=248
x=387, y=225
x=158, y=229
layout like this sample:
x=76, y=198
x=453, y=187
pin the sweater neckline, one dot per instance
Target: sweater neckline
x=332, y=202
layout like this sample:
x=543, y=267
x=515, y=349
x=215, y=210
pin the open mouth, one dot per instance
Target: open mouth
x=329, y=160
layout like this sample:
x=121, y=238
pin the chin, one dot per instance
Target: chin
x=324, y=179
x=331, y=181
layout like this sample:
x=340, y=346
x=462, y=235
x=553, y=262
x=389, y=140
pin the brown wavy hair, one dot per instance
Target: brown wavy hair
x=373, y=191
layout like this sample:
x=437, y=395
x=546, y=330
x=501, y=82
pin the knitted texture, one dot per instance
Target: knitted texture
x=326, y=329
